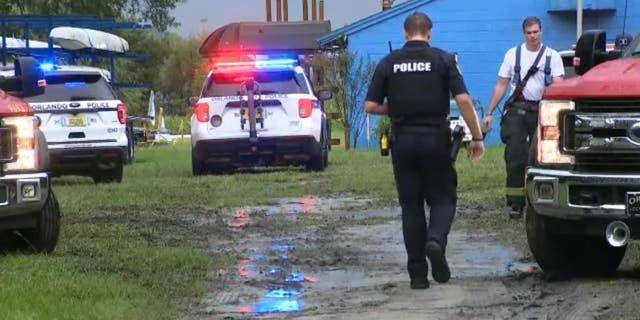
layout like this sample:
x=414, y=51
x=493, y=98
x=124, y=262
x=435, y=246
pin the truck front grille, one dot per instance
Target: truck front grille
x=603, y=135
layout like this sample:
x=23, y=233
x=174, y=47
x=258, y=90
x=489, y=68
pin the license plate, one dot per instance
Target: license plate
x=76, y=121
x=632, y=203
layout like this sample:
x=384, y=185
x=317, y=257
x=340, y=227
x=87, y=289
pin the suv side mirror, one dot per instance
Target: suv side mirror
x=325, y=94
x=590, y=50
x=193, y=100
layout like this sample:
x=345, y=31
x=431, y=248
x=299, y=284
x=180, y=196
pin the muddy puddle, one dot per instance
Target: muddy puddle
x=338, y=258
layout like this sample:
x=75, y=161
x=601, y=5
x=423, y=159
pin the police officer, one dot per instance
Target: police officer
x=417, y=81
x=520, y=118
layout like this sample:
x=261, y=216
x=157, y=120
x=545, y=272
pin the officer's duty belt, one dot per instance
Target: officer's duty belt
x=527, y=105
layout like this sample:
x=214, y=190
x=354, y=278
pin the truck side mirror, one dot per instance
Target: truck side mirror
x=325, y=94
x=590, y=50
x=28, y=72
x=28, y=79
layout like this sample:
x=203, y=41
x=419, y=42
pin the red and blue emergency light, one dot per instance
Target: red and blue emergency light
x=251, y=64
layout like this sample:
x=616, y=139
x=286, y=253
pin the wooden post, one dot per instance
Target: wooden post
x=285, y=9
x=279, y=10
x=269, y=17
x=314, y=10
x=305, y=10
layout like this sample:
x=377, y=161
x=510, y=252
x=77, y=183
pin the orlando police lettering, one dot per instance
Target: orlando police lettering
x=412, y=67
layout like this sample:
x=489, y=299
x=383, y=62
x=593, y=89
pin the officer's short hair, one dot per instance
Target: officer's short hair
x=417, y=23
x=530, y=21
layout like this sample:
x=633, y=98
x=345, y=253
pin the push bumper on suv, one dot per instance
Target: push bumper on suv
x=243, y=151
x=79, y=159
x=570, y=195
x=22, y=195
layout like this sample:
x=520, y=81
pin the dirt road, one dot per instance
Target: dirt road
x=316, y=258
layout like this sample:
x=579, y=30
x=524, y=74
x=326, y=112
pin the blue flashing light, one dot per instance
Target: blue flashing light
x=75, y=85
x=47, y=66
x=276, y=64
x=278, y=306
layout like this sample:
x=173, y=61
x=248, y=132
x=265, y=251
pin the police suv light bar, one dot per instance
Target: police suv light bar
x=254, y=65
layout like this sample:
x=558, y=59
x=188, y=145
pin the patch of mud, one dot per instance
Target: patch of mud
x=332, y=258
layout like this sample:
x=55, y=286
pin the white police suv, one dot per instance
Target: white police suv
x=258, y=111
x=84, y=123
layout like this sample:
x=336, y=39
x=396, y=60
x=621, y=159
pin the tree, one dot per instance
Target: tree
x=347, y=75
x=157, y=12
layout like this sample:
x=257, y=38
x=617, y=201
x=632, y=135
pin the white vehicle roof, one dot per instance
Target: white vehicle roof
x=8, y=70
x=85, y=69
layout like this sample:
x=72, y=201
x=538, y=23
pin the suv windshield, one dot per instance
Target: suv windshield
x=230, y=84
x=74, y=87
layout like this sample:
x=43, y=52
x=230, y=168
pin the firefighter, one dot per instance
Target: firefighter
x=417, y=81
x=529, y=68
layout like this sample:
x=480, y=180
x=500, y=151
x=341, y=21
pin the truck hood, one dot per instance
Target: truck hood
x=613, y=79
x=12, y=106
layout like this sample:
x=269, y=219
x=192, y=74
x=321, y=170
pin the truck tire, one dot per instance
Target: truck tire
x=110, y=175
x=545, y=247
x=44, y=237
x=569, y=253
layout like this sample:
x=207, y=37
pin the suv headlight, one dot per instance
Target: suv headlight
x=551, y=113
x=26, y=154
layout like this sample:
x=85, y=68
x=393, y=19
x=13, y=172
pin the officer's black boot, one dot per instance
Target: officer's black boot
x=440, y=267
x=418, y=272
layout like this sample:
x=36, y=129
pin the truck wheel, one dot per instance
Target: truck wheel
x=197, y=167
x=569, y=253
x=545, y=246
x=109, y=175
x=44, y=237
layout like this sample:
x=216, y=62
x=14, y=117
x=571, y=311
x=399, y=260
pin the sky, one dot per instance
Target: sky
x=203, y=16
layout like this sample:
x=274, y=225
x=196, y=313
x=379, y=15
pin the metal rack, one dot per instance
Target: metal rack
x=47, y=22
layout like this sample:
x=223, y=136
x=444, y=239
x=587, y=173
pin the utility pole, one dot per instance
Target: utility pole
x=579, y=12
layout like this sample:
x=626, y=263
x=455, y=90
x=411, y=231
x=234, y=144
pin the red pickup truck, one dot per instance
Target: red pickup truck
x=583, y=175
x=29, y=211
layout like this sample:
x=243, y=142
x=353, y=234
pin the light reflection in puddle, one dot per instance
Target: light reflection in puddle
x=276, y=306
x=283, y=293
x=274, y=268
x=285, y=248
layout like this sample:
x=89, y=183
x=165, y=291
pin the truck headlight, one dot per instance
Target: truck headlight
x=26, y=155
x=551, y=113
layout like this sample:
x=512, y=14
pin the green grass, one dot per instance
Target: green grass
x=127, y=250
x=162, y=179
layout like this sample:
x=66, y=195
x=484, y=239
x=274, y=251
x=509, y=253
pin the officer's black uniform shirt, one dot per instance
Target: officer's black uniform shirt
x=417, y=81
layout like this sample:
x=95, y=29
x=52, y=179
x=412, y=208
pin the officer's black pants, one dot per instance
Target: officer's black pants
x=424, y=171
x=517, y=130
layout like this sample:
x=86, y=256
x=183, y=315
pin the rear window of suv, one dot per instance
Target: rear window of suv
x=280, y=82
x=75, y=87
